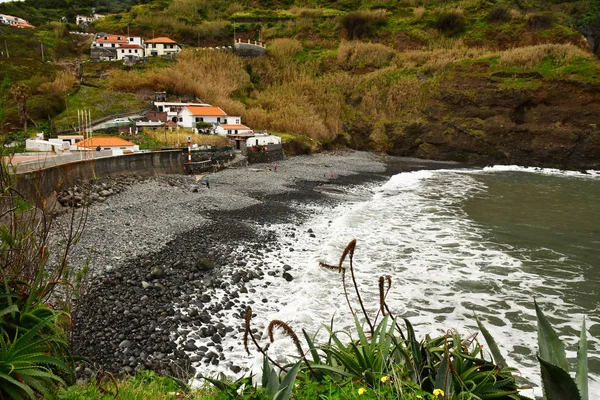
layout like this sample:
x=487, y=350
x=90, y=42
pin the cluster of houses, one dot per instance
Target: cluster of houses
x=200, y=118
x=108, y=47
x=15, y=22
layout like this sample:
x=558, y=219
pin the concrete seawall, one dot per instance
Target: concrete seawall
x=43, y=183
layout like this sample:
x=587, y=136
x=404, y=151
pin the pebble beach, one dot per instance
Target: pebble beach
x=168, y=276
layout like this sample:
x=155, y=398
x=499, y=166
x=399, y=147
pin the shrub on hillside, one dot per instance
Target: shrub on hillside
x=355, y=55
x=499, y=14
x=359, y=24
x=540, y=21
x=451, y=23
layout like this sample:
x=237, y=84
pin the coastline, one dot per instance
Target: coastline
x=161, y=248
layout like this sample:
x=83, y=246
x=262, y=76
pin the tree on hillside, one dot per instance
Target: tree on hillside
x=20, y=94
x=4, y=94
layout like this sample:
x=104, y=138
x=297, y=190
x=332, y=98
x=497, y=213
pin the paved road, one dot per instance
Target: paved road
x=26, y=163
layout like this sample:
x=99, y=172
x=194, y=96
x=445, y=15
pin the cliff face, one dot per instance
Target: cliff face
x=479, y=120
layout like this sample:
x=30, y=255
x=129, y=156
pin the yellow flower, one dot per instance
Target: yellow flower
x=419, y=396
x=384, y=379
x=362, y=391
x=438, y=393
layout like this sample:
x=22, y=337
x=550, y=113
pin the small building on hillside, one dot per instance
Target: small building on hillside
x=85, y=20
x=262, y=139
x=116, y=144
x=162, y=47
x=12, y=20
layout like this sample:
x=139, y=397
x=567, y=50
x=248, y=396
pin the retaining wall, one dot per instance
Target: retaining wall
x=43, y=183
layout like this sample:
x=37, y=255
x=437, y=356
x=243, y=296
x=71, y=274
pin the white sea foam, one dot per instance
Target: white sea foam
x=443, y=270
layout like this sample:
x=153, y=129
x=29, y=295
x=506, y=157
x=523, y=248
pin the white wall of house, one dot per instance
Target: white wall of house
x=263, y=140
x=123, y=53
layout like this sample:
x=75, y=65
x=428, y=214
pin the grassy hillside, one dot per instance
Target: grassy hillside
x=375, y=74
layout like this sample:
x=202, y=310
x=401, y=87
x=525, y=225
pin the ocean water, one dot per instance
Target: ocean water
x=455, y=243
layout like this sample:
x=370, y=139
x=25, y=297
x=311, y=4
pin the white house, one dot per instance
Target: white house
x=162, y=46
x=11, y=20
x=130, y=51
x=84, y=19
x=262, y=139
x=190, y=115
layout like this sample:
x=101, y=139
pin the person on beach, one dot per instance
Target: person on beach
x=206, y=181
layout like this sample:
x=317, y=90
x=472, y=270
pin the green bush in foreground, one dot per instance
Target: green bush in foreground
x=384, y=360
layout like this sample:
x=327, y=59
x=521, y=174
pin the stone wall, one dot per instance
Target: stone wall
x=43, y=183
x=265, y=154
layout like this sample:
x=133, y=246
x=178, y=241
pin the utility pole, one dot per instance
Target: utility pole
x=42, y=47
x=6, y=45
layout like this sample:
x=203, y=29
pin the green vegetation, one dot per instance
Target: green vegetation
x=34, y=351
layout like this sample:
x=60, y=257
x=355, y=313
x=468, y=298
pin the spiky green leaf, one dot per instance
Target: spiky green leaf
x=557, y=383
x=494, y=349
x=551, y=348
x=581, y=377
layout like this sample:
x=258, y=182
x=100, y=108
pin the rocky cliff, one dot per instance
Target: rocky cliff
x=479, y=120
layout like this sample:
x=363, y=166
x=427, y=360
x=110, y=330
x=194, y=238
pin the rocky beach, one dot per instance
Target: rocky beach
x=168, y=257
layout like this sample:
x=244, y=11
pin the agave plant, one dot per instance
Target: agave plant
x=27, y=370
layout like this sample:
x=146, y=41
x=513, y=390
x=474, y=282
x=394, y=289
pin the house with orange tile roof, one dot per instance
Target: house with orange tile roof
x=118, y=145
x=190, y=115
x=162, y=46
x=105, y=47
x=233, y=129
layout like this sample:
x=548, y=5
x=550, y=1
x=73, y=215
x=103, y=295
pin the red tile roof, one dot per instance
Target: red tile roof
x=105, y=141
x=234, y=126
x=207, y=111
x=161, y=40
x=111, y=38
x=130, y=46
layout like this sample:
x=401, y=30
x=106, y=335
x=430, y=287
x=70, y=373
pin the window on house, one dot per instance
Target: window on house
x=131, y=39
x=201, y=119
x=180, y=119
x=113, y=45
x=225, y=121
x=237, y=121
x=236, y=131
x=197, y=119
x=219, y=120
x=129, y=51
x=153, y=45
